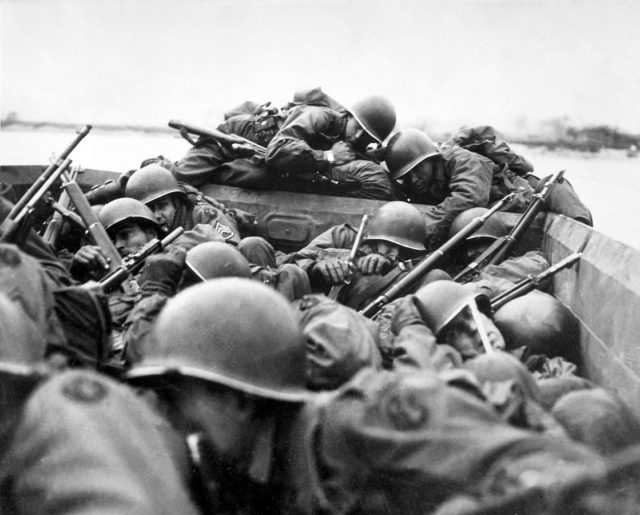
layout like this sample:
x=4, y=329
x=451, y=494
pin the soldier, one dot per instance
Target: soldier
x=236, y=387
x=175, y=206
x=323, y=150
x=391, y=442
x=165, y=274
x=394, y=237
x=86, y=444
x=208, y=161
x=496, y=279
x=459, y=317
x=451, y=180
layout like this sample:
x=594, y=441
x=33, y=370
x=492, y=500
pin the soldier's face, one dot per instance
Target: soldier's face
x=357, y=136
x=226, y=417
x=164, y=210
x=131, y=237
x=463, y=335
x=419, y=178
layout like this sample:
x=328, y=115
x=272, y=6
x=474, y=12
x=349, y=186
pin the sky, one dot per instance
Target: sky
x=512, y=64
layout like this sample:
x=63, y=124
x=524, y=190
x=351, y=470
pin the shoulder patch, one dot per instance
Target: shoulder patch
x=224, y=230
x=84, y=389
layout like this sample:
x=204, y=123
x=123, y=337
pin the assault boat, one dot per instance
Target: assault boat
x=602, y=289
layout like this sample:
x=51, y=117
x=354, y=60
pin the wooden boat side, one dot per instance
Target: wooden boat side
x=603, y=291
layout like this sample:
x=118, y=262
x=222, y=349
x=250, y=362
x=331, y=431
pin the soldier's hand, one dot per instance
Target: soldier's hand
x=333, y=271
x=90, y=257
x=163, y=270
x=342, y=153
x=374, y=264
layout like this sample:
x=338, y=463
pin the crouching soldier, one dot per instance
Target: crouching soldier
x=394, y=238
x=235, y=386
x=179, y=206
x=323, y=150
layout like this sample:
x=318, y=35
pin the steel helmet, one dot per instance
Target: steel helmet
x=406, y=149
x=125, y=209
x=151, y=183
x=376, y=115
x=214, y=259
x=440, y=302
x=493, y=228
x=400, y=223
x=542, y=323
x=234, y=332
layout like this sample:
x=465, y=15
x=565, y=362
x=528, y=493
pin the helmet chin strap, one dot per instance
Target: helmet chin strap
x=481, y=328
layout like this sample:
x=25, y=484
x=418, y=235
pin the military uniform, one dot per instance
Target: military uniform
x=297, y=156
x=208, y=161
x=85, y=444
x=462, y=180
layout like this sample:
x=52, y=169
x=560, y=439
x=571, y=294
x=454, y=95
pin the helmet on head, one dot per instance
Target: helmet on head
x=233, y=332
x=123, y=210
x=151, y=183
x=493, y=228
x=214, y=259
x=406, y=149
x=376, y=115
x=440, y=302
x=399, y=223
x=542, y=323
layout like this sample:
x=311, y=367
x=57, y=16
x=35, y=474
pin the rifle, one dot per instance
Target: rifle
x=530, y=282
x=16, y=224
x=335, y=290
x=61, y=208
x=400, y=287
x=90, y=221
x=499, y=249
x=133, y=262
x=233, y=140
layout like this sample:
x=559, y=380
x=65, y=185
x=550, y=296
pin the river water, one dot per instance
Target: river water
x=608, y=182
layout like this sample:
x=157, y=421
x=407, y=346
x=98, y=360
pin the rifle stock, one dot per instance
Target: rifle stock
x=96, y=230
x=232, y=140
x=133, y=262
x=426, y=264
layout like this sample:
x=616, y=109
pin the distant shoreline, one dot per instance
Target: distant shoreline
x=590, y=139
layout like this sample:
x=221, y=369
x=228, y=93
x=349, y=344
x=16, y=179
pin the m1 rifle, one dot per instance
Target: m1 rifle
x=233, y=140
x=500, y=248
x=335, y=290
x=404, y=284
x=133, y=262
x=93, y=226
x=16, y=224
x=530, y=282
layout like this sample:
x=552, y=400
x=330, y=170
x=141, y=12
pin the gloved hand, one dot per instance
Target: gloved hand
x=247, y=222
x=90, y=258
x=374, y=264
x=162, y=272
x=332, y=271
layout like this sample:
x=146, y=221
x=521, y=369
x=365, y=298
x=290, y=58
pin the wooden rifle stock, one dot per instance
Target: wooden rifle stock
x=531, y=282
x=95, y=229
x=61, y=213
x=133, y=262
x=426, y=264
x=232, y=140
